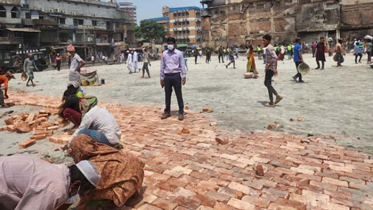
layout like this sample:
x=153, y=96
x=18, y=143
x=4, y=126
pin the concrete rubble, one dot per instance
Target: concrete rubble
x=188, y=166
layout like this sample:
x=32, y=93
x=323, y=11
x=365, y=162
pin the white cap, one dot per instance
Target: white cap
x=90, y=171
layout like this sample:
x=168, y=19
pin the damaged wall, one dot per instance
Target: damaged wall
x=234, y=21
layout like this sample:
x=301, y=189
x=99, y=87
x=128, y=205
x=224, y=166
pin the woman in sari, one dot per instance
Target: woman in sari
x=122, y=174
x=251, y=71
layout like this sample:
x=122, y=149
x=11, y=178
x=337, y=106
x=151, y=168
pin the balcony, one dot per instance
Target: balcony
x=11, y=40
x=42, y=22
x=11, y=2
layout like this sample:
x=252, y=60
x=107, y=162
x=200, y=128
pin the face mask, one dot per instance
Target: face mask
x=171, y=47
x=73, y=199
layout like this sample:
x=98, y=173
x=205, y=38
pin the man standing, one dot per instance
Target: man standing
x=298, y=59
x=135, y=60
x=313, y=46
x=129, y=62
x=290, y=51
x=320, y=53
x=31, y=183
x=29, y=66
x=93, y=59
x=58, y=61
x=146, y=65
x=4, y=79
x=221, y=54
x=236, y=50
x=270, y=69
x=172, y=65
x=339, y=51
x=76, y=64
x=195, y=55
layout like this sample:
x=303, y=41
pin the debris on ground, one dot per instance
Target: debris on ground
x=259, y=170
x=208, y=110
x=222, y=141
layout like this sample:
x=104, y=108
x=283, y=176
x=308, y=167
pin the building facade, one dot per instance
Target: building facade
x=235, y=22
x=128, y=8
x=182, y=23
x=91, y=25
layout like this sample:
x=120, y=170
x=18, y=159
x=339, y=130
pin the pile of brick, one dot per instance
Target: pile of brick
x=36, y=123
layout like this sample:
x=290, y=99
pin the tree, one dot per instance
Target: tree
x=149, y=29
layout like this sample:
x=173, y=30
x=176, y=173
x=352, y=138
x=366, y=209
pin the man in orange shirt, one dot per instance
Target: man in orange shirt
x=58, y=61
x=4, y=79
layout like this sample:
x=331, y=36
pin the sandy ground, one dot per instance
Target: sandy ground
x=335, y=101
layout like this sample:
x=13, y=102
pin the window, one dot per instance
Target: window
x=78, y=22
x=2, y=11
x=41, y=17
x=3, y=33
x=94, y=22
x=75, y=22
x=15, y=12
x=28, y=15
x=81, y=22
x=62, y=21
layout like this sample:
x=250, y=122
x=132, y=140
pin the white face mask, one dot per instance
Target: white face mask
x=74, y=198
x=171, y=47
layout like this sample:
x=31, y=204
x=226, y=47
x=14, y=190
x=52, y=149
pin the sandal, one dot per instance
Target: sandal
x=278, y=100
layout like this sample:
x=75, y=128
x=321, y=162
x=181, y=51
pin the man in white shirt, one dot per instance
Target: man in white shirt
x=135, y=60
x=101, y=126
x=76, y=64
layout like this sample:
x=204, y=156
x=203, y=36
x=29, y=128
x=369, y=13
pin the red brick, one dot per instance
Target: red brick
x=27, y=143
x=164, y=204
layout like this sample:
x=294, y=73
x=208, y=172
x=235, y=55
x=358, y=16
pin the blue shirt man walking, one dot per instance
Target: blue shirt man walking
x=298, y=59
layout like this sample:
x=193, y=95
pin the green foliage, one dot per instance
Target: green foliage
x=149, y=29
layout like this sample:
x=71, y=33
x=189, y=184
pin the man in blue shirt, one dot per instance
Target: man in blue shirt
x=298, y=59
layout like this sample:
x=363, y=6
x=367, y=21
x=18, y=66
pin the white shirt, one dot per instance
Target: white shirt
x=75, y=62
x=102, y=120
x=135, y=57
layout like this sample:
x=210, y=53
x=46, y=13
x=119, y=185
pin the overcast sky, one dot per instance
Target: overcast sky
x=153, y=8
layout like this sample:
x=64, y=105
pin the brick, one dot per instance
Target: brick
x=53, y=128
x=39, y=137
x=9, y=121
x=60, y=139
x=313, y=199
x=3, y=128
x=187, y=203
x=333, y=206
x=10, y=128
x=178, y=171
x=335, y=182
x=241, y=188
x=164, y=204
x=23, y=128
x=180, y=191
x=30, y=118
x=147, y=206
x=26, y=143
x=222, y=206
x=218, y=196
x=239, y=204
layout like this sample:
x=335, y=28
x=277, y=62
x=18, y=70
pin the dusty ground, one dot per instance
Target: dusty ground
x=335, y=101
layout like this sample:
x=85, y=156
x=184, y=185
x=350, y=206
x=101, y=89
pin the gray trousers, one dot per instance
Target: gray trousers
x=1, y=98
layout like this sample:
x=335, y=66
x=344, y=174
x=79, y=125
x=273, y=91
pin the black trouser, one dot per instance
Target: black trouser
x=358, y=55
x=145, y=67
x=58, y=65
x=318, y=64
x=173, y=80
x=298, y=75
x=195, y=57
x=208, y=58
x=222, y=58
x=268, y=84
x=1, y=98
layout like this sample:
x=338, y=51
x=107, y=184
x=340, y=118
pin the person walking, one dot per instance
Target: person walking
x=320, y=53
x=76, y=64
x=313, y=47
x=29, y=66
x=270, y=70
x=221, y=54
x=358, y=53
x=173, y=75
x=369, y=47
x=58, y=61
x=146, y=64
x=135, y=61
x=208, y=55
x=289, y=51
x=129, y=62
x=4, y=79
x=259, y=51
x=196, y=54
x=298, y=59
x=232, y=60
x=339, y=53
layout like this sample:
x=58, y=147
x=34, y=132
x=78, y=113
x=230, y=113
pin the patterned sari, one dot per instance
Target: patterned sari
x=251, y=63
x=122, y=174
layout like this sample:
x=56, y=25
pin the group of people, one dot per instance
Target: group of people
x=133, y=62
x=362, y=47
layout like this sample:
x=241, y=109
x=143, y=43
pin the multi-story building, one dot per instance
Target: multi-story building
x=91, y=25
x=183, y=23
x=227, y=22
x=128, y=8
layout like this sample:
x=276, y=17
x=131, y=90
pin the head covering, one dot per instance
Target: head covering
x=10, y=75
x=90, y=171
x=70, y=48
x=74, y=83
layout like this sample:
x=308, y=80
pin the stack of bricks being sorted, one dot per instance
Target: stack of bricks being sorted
x=37, y=123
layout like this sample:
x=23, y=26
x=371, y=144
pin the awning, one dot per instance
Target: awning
x=57, y=48
x=30, y=30
x=103, y=44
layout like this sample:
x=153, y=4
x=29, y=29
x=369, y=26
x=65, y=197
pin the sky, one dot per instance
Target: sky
x=153, y=8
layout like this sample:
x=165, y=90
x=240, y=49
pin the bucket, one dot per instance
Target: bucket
x=102, y=81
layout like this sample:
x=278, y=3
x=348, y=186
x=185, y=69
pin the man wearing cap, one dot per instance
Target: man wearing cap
x=29, y=183
x=173, y=74
x=76, y=64
x=4, y=79
x=29, y=66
